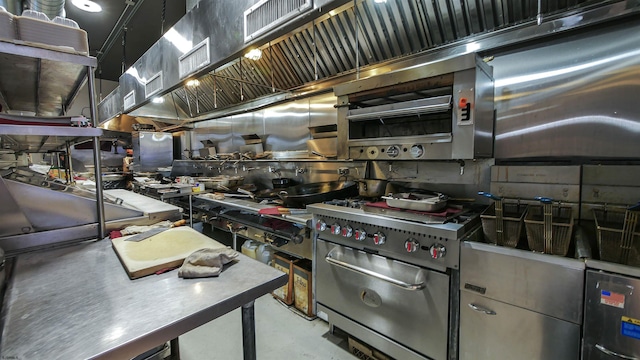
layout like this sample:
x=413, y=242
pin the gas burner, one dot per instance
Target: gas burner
x=350, y=203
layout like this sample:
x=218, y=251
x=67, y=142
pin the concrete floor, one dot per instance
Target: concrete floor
x=280, y=334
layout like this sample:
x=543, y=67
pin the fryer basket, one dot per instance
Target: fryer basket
x=560, y=224
x=512, y=219
x=613, y=227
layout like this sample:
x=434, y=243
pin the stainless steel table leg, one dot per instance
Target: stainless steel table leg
x=175, y=349
x=248, y=332
x=190, y=211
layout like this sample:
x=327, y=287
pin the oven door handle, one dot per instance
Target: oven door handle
x=361, y=270
x=482, y=310
x=613, y=353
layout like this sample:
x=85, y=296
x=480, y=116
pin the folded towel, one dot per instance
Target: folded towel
x=206, y=262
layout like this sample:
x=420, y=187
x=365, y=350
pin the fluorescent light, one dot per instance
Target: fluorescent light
x=193, y=83
x=87, y=5
x=254, y=54
x=380, y=1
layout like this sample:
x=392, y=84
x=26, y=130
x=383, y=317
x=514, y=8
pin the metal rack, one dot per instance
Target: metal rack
x=45, y=80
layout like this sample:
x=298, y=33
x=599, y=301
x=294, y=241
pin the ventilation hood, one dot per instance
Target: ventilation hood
x=330, y=42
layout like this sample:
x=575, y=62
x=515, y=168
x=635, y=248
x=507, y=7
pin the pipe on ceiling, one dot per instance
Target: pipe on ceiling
x=51, y=8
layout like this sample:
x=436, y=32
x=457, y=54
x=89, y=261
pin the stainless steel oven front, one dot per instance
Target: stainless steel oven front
x=439, y=110
x=375, y=297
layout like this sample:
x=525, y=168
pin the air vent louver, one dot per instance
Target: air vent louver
x=153, y=86
x=194, y=60
x=129, y=100
x=267, y=14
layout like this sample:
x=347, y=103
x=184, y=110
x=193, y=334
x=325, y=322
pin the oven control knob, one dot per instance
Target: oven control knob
x=437, y=251
x=361, y=235
x=417, y=151
x=393, y=151
x=321, y=225
x=347, y=231
x=297, y=239
x=411, y=245
x=379, y=238
x=335, y=229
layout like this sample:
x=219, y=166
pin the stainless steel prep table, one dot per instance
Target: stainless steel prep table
x=77, y=302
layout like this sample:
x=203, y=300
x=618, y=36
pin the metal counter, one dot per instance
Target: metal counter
x=78, y=303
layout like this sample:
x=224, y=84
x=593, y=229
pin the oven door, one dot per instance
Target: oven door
x=402, y=302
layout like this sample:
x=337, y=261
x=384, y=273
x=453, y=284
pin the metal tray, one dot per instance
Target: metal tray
x=419, y=202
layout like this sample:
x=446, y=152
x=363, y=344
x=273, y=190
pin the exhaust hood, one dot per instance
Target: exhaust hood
x=325, y=43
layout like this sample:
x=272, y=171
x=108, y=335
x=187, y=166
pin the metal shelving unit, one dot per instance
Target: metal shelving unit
x=46, y=80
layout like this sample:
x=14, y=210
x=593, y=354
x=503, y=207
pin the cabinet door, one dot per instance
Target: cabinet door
x=491, y=330
x=612, y=317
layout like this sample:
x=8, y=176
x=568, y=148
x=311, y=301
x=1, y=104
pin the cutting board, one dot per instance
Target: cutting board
x=165, y=250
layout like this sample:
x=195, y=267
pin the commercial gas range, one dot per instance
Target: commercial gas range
x=391, y=282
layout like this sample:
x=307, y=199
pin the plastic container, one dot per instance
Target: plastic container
x=7, y=25
x=249, y=248
x=35, y=27
x=264, y=253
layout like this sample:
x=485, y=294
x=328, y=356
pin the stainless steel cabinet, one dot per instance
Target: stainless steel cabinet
x=152, y=150
x=516, y=304
x=492, y=329
x=612, y=316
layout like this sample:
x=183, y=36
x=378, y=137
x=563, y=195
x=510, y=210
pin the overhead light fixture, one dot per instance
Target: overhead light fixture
x=254, y=54
x=380, y=1
x=157, y=100
x=193, y=83
x=87, y=5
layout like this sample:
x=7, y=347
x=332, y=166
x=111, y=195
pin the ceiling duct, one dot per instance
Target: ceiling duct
x=51, y=8
x=339, y=43
x=268, y=14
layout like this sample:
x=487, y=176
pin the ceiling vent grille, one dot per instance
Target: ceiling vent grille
x=129, y=100
x=194, y=60
x=153, y=86
x=267, y=14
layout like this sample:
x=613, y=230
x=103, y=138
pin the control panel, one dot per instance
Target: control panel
x=409, y=151
x=419, y=248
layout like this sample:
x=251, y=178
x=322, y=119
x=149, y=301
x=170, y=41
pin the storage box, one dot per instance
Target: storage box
x=7, y=26
x=41, y=30
x=302, y=291
x=364, y=352
x=284, y=262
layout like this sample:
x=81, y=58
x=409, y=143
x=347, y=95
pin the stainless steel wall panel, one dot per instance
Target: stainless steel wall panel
x=287, y=126
x=322, y=110
x=570, y=97
x=218, y=131
x=245, y=124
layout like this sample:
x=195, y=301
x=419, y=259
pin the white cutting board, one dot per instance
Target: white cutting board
x=165, y=250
